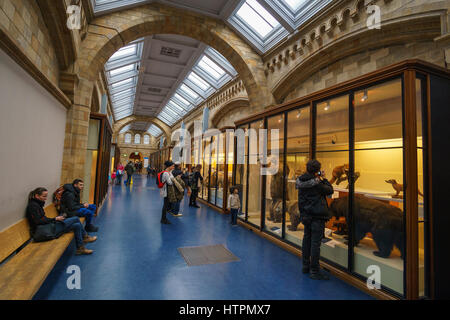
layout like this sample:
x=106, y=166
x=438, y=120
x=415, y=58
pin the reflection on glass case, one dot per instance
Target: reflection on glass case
x=363, y=136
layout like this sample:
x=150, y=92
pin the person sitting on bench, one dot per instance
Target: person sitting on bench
x=72, y=206
x=36, y=217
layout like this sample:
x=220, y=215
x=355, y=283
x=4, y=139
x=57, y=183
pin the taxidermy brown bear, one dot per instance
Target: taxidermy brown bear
x=382, y=220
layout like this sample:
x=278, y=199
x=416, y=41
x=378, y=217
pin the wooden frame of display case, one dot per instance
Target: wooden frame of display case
x=435, y=95
x=103, y=160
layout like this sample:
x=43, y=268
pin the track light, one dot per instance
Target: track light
x=327, y=107
x=299, y=113
x=365, y=96
x=281, y=119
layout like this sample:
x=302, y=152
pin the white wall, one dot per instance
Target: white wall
x=32, y=129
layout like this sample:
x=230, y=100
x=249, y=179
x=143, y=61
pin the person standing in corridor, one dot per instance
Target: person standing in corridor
x=312, y=191
x=130, y=170
x=167, y=179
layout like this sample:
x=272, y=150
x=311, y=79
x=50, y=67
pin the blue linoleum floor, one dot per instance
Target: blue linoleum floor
x=137, y=258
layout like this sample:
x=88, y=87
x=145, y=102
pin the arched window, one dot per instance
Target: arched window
x=137, y=139
x=146, y=139
x=128, y=138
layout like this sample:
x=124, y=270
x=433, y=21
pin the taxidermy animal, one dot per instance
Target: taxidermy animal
x=276, y=185
x=398, y=188
x=276, y=211
x=341, y=173
x=382, y=220
x=294, y=213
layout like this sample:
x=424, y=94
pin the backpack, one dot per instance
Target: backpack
x=57, y=198
x=159, y=182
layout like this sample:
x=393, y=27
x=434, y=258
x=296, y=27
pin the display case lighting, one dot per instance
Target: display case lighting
x=365, y=96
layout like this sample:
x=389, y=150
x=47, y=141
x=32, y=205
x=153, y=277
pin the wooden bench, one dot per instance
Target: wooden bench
x=23, y=274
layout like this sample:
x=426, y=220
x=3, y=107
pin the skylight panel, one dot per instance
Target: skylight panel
x=121, y=83
x=125, y=51
x=211, y=68
x=259, y=20
x=182, y=100
x=175, y=106
x=125, y=129
x=294, y=4
x=202, y=84
x=154, y=130
x=121, y=70
x=189, y=92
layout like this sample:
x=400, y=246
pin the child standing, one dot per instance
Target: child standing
x=234, y=203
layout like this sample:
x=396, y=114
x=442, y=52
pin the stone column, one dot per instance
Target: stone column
x=77, y=129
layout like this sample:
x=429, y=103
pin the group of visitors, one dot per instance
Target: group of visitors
x=173, y=182
x=313, y=188
x=117, y=175
x=70, y=210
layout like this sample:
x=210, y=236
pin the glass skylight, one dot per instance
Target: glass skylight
x=117, y=71
x=185, y=89
x=209, y=74
x=122, y=75
x=202, y=84
x=261, y=21
x=210, y=67
x=294, y=4
x=154, y=131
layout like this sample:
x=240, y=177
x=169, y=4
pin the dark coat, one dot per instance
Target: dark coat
x=311, y=196
x=70, y=201
x=36, y=215
x=129, y=169
x=195, y=176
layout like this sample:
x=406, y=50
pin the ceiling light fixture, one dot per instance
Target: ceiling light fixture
x=327, y=107
x=281, y=119
x=299, y=113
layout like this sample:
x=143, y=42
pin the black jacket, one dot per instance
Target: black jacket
x=194, y=179
x=70, y=201
x=36, y=215
x=311, y=196
x=129, y=169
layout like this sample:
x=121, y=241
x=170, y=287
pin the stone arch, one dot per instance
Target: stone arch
x=230, y=106
x=108, y=33
x=95, y=101
x=395, y=32
x=119, y=125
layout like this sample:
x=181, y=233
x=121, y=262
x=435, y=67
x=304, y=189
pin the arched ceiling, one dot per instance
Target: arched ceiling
x=167, y=76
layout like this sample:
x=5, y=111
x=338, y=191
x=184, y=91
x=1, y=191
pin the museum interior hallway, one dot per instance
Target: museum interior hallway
x=137, y=258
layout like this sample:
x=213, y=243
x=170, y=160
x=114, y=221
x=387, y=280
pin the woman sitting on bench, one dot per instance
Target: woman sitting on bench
x=36, y=217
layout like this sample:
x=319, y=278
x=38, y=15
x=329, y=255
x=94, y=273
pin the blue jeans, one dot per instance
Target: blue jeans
x=88, y=213
x=234, y=213
x=74, y=224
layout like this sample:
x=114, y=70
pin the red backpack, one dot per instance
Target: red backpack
x=159, y=182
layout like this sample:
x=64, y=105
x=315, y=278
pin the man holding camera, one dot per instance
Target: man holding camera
x=312, y=191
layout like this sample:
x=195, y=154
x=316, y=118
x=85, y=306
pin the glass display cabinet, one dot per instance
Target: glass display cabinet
x=158, y=158
x=216, y=158
x=373, y=137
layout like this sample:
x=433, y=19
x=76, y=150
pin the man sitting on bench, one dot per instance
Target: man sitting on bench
x=72, y=206
x=36, y=216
